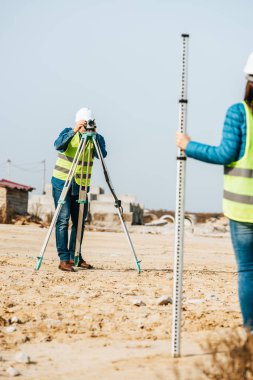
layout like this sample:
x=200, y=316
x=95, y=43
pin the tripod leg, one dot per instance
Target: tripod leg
x=60, y=203
x=117, y=205
x=137, y=262
x=82, y=202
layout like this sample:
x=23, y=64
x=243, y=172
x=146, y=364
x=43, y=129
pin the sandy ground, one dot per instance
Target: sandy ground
x=84, y=325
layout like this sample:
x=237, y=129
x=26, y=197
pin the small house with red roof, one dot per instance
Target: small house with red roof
x=13, y=200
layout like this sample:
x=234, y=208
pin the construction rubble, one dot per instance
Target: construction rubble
x=103, y=215
x=102, y=211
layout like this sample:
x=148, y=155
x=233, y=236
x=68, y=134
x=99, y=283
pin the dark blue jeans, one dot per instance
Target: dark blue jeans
x=242, y=240
x=65, y=246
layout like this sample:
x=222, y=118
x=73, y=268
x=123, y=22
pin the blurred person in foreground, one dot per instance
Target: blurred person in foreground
x=235, y=152
x=66, y=144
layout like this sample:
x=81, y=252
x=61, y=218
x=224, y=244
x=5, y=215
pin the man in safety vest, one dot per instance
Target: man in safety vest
x=66, y=144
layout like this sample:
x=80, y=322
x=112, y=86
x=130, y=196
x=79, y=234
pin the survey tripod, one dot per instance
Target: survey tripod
x=179, y=214
x=88, y=143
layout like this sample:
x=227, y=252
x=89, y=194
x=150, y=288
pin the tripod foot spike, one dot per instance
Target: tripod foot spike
x=138, y=267
x=76, y=261
x=39, y=262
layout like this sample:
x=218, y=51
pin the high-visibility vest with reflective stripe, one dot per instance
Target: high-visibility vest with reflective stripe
x=64, y=162
x=238, y=180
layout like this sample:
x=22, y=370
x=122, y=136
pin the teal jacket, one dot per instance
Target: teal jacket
x=233, y=142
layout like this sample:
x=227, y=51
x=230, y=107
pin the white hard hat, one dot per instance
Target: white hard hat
x=248, y=69
x=84, y=114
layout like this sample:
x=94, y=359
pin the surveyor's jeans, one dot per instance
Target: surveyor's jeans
x=65, y=246
x=242, y=239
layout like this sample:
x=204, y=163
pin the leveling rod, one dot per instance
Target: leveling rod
x=180, y=207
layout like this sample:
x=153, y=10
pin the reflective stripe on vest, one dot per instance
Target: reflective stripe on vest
x=64, y=162
x=238, y=180
x=238, y=172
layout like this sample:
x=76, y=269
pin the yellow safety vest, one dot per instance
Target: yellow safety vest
x=238, y=180
x=64, y=162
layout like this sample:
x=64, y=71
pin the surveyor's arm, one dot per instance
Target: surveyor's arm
x=101, y=142
x=62, y=141
x=229, y=149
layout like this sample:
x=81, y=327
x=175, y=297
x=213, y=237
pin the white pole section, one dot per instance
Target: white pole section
x=179, y=215
x=8, y=169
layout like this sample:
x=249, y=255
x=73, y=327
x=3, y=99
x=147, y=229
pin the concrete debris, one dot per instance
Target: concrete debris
x=15, y=319
x=157, y=223
x=164, y=300
x=22, y=357
x=218, y=228
x=138, y=302
x=10, y=329
x=148, y=217
x=165, y=219
x=214, y=226
x=13, y=372
x=168, y=217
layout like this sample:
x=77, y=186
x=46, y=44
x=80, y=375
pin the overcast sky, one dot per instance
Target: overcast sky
x=121, y=58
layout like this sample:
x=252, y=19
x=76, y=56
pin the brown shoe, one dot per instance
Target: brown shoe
x=66, y=266
x=82, y=264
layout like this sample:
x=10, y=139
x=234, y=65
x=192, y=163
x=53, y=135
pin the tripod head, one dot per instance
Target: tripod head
x=89, y=134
